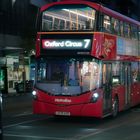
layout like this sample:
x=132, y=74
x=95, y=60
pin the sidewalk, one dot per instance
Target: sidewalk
x=16, y=103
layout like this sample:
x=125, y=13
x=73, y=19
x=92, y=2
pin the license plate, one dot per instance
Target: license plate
x=62, y=113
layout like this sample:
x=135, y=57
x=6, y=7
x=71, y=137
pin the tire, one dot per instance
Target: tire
x=115, y=107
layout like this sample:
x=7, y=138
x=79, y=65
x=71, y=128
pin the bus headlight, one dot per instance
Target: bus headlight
x=95, y=97
x=34, y=93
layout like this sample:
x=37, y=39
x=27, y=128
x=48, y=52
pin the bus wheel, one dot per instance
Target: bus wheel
x=115, y=107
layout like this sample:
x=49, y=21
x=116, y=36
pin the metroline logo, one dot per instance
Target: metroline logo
x=66, y=44
x=63, y=100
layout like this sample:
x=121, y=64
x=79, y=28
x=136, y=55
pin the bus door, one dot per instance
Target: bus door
x=107, y=87
x=127, y=82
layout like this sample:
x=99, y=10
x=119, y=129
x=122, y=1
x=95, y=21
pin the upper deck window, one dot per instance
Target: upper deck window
x=115, y=26
x=68, y=17
x=107, y=24
x=127, y=30
x=134, y=31
x=139, y=33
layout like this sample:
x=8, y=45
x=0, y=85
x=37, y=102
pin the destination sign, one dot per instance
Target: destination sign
x=83, y=44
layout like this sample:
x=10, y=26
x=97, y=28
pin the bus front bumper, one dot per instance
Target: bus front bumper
x=88, y=109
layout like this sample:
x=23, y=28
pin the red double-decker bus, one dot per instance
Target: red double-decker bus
x=87, y=60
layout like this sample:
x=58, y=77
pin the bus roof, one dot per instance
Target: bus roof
x=96, y=6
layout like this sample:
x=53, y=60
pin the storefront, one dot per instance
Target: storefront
x=17, y=71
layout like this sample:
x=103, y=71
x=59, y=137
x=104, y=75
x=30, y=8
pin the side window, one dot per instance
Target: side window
x=139, y=33
x=46, y=22
x=115, y=26
x=56, y=23
x=107, y=24
x=115, y=69
x=134, y=32
x=104, y=73
x=121, y=28
x=134, y=68
x=67, y=25
x=127, y=30
x=62, y=24
x=41, y=71
x=107, y=73
x=117, y=73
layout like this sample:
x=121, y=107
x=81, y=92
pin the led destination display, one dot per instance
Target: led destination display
x=83, y=44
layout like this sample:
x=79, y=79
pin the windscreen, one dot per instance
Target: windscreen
x=68, y=76
x=68, y=17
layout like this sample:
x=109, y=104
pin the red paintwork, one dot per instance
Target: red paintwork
x=89, y=109
x=119, y=91
x=135, y=94
x=79, y=105
x=104, y=46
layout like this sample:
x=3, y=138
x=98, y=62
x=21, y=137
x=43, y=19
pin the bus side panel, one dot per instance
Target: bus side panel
x=93, y=109
x=135, y=94
x=119, y=91
x=39, y=107
x=97, y=43
x=104, y=46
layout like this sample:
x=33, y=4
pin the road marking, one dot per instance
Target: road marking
x=7, y=126
x=137, y=110
x=23, y=114
x=34, y=137
x=104, y=129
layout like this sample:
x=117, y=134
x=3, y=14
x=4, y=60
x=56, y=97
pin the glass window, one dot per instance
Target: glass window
x=113, y=71
x=127, y=30
x=47, y=22
x=139, y=33
x=134, y=30
x=121, y=28
x=134, y=68
x=118, y=73
x=107, y=73
x=116, y=68
x=107, y=24
x=104, y=73
x=68, y=76
x=41, y=72
x=68, y=17
x=115, y=26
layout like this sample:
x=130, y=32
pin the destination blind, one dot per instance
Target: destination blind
x=82, y=44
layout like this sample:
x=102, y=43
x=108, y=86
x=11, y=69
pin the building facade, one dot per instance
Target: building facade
x=17, y=35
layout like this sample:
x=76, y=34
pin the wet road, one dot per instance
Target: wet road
x=20, y=124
